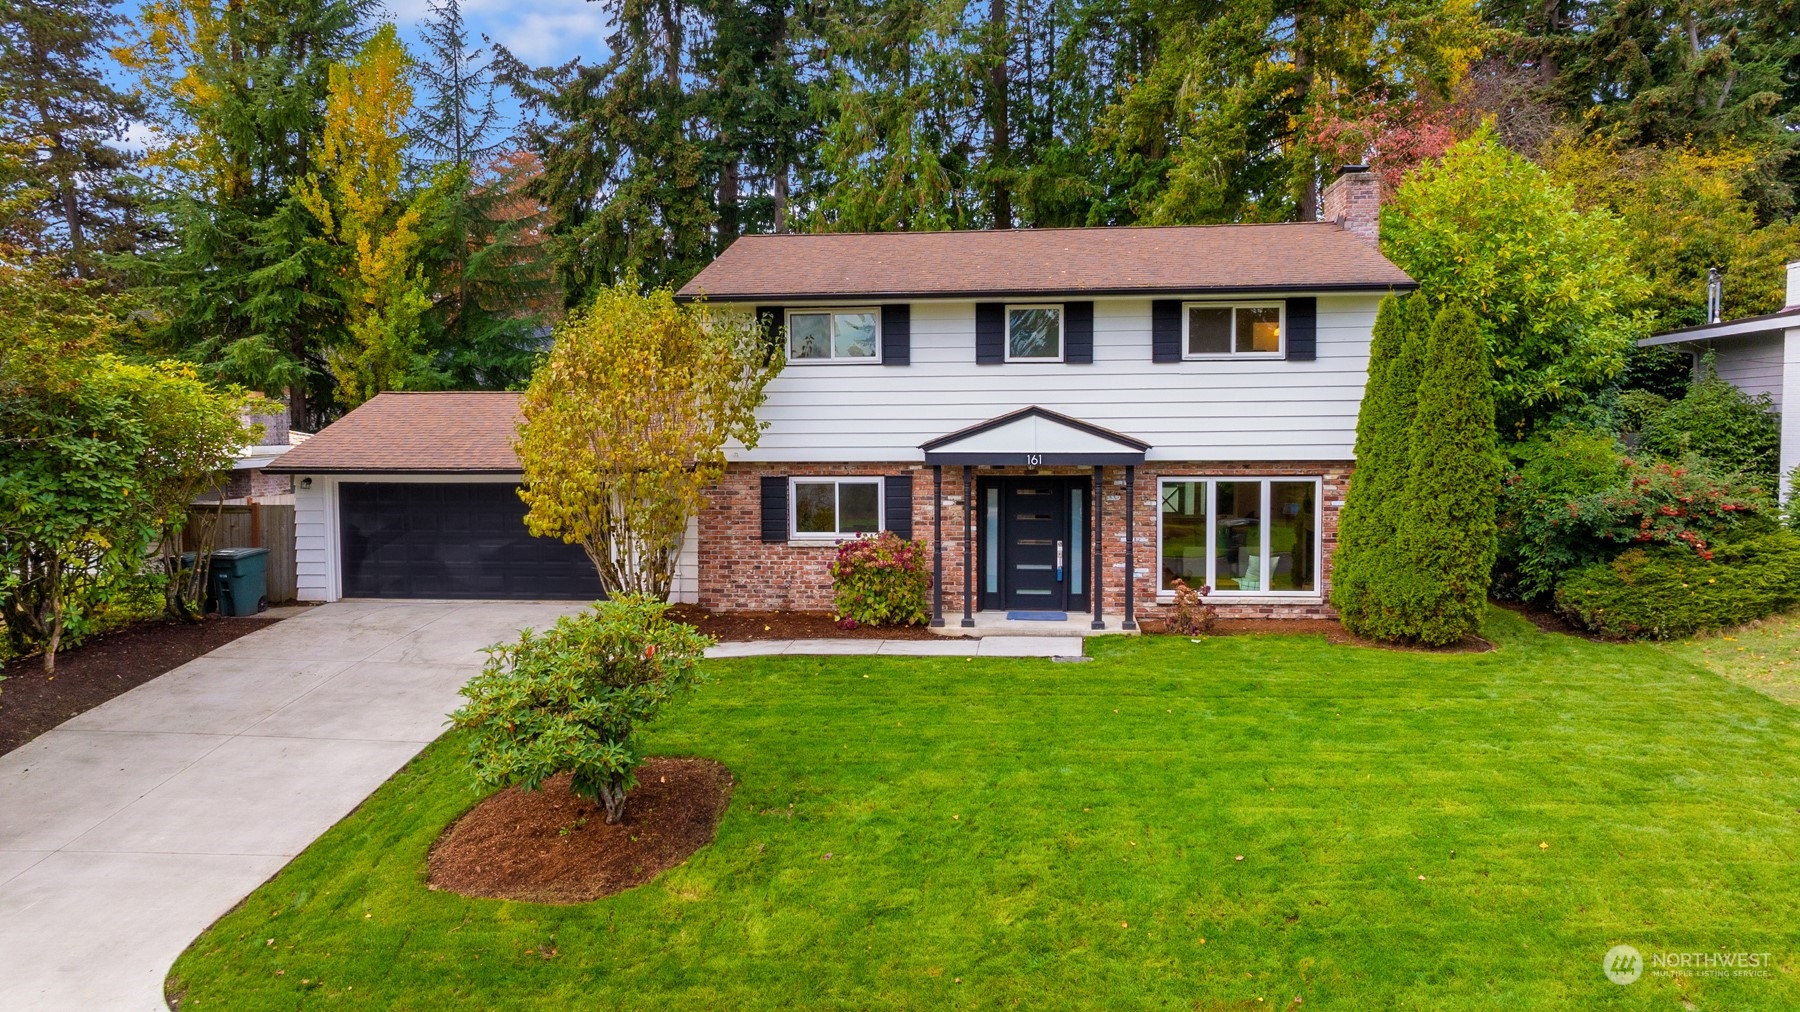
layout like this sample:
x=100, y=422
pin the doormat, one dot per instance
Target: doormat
x=1037, y=616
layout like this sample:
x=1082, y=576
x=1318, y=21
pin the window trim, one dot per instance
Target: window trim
x=1279, y=305
x=789, y=313
x=1211, y=481
x=1062, y=332
x=835, y=480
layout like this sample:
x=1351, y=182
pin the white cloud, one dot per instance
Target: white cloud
x=548, y=32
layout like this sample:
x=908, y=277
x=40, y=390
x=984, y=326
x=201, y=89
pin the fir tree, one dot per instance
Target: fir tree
x=58, y=110
x=1374, y=507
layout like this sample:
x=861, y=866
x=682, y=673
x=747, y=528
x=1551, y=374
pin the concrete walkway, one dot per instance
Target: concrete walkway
x=128, y=830
x=986, y=646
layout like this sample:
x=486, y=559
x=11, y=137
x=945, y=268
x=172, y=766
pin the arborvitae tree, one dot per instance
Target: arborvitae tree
x=58, y=108
x=1383, y=458
x=1433, y=588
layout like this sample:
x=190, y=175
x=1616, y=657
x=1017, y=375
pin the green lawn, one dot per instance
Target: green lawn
x=1028, y=834
x=1764, y=655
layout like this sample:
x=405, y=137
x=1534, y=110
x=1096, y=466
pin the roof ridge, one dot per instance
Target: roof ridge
x=1041, y=228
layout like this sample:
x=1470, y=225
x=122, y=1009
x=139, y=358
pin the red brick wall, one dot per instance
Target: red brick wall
x=739, y=571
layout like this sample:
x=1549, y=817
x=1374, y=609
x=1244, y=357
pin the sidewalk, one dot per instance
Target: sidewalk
x=986, y=646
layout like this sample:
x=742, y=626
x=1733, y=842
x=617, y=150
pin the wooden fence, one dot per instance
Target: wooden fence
x=254, y=526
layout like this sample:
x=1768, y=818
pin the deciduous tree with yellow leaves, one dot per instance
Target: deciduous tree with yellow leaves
x=625, y=426
x=358, y=195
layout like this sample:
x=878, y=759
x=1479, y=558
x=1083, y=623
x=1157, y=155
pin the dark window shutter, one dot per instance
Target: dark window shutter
x=772, y=321
x=1303, y=329
x=896, y=334
x=899, y=504
x=775, y=508
x=990, y=333
x=1165, y=330
x=1078, y=332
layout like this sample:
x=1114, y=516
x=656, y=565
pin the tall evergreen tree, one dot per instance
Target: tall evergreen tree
x=1435, y=590
x=1384, y=429
x=58, y=107
x=240, y=88
x=491, y=286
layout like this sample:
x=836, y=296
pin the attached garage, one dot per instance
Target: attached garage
x=415, y=495
x=452, y=540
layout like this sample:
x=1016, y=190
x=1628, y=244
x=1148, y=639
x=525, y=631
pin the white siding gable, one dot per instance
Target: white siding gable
x=1214, y=410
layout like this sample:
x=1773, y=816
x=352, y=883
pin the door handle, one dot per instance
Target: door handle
x=1059, y=546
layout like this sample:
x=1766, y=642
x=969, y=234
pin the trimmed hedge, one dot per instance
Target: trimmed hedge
x=881, y=580
x=1669, y=591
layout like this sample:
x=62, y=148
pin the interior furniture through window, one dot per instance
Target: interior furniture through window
x=1240, y=535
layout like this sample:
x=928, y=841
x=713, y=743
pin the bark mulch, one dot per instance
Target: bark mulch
x=549, y=846
x=32, y=702
x=738, y=626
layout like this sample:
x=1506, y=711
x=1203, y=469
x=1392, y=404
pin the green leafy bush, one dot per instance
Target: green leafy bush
x=573, y=698
x=882, y=580
x=1668, y=591
x=1716, y=421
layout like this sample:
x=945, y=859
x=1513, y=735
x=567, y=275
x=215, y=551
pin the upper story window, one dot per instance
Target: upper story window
x=836, y=507
x=834, y=335
x=1034, y=333
x=1214, y=329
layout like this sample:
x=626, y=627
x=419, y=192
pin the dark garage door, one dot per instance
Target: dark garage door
x=452, y=540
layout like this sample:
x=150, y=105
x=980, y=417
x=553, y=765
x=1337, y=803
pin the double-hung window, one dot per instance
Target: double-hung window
x=1240, y=535
x=835, y=507
x=834, y=335
x=1034, y=333
x=1224, y=329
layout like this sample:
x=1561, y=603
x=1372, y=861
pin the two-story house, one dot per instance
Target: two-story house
x=1074, y=418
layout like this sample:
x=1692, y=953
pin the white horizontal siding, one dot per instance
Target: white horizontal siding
x=687, y=567
x=312, y=540
x=1217, y=410
x=1752, y=364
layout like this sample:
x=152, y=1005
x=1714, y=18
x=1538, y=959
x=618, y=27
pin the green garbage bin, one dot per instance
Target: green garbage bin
x=239, y=580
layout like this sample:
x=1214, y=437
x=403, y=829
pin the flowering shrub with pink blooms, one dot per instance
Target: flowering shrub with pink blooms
x=881, y=580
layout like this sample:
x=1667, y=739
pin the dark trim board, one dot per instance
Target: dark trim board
x=1032, y=459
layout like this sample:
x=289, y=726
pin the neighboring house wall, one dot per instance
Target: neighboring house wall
x=1204, y=410
x=316, y=545
x=740, y=571
x=1752, y=364
x=1790, y=420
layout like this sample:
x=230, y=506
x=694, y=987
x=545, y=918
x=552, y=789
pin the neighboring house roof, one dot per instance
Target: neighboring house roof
x=1299, y=256
x=1749, y=326
x=414, y=433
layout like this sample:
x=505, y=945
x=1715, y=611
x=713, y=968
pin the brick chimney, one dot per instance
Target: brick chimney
x=1353, y=200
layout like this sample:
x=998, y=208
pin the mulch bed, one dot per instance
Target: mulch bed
x=738, y=626
x=88, y=675
x=549, y=846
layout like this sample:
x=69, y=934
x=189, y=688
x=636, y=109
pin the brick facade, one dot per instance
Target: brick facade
x=739, y=571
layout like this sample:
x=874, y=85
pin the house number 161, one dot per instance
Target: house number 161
x=1034, y=459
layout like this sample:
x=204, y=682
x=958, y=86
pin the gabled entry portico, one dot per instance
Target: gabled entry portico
x=1036, y=539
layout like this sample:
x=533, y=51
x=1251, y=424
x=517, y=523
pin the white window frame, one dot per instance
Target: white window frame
x=1211, y=482
x=831, y=311
x=1062, y=326
x=1231, y=352
x=835, y=480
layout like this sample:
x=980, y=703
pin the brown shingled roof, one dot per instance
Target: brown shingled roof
x=414, y=432
x=1302, y=256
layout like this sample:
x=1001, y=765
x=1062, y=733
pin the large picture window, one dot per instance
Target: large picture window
x=1233, y=328
x=1034, y=333
x=836, y=507
x=1240, y=535
x=834, y=335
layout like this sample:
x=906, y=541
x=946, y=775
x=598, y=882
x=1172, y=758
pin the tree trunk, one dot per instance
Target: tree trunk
x=781, y=200
x=1000, y=157
x=728, y=202
x=1309, y=169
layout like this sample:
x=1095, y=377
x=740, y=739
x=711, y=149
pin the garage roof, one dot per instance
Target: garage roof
x=415, y=433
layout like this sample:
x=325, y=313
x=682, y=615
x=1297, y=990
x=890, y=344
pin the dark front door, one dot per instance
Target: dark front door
x=1036, y=521
x=452, y=539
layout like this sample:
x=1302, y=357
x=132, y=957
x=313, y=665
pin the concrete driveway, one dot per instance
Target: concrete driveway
x=128, y=830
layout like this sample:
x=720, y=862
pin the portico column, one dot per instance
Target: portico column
x=968, y=530
x=1130, y=547
x=1099, y=547
x=937, y=546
